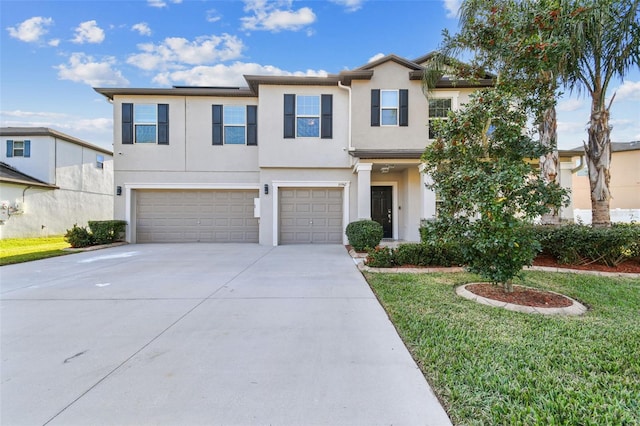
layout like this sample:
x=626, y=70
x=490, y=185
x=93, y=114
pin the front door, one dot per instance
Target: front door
x=381, y=208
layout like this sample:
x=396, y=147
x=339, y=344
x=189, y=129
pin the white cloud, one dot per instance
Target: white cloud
x=570, y=105
x=350, y=5
x=630, y=90
x=226, y=75
x=376, y=57
x=213, y=15
x=161, y=3
x=31, y=30
x=89, y=32
x=54, y=42
x=452, y=7
x=276, y=16
x=175, y=52
x=85, y=69
x=142, y=28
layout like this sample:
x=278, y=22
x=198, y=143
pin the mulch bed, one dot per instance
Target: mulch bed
x=630, y=266
x=520, y=296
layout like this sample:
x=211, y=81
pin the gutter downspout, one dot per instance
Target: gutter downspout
x=348, y=89
x=579, y=166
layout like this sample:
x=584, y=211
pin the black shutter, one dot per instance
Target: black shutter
x=404, y=107
x=27, y=149
x=252, y=125
x=375, y=107
x=216, y=120
x=326, y=121
x=163, y=124
x=289, y=116
x=127, y=123
x=9, y=148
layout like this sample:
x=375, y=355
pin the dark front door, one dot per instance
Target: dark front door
x=381, y=208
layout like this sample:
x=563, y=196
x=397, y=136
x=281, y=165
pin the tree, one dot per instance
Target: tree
x=606, y=44
x=490, y=192
x=522, y=43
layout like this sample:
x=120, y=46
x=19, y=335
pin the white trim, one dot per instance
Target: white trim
x=276, y=184
x=129, y=206
x=394, y=201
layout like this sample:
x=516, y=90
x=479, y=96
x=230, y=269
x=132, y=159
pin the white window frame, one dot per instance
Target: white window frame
x=317, y=117
x=137, y=123
x=15, y=150
x=99, y=161
x=387, y=108
x=453, y=96
x=225, y=125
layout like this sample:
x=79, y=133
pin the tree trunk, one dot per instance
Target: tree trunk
x=507, y=286
x=549, y=163
x=598, y=156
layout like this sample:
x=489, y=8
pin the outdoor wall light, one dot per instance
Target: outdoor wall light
x=266, y=189
x=118, y=190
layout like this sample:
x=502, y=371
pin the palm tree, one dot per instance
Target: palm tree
x=606, y=44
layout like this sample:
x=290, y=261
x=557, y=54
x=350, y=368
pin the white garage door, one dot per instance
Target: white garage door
x=310, y=215
x=218, y=216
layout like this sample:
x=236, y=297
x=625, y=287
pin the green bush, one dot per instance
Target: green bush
x=381, y=257
x=583, y=244
x=364, y=234
x=78, y=237
x=107, y=231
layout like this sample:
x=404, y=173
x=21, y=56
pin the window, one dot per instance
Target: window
x=307, y=116
x=390, y=107
x=99, y=161
x=438, y=109
x=235, y=124
x=18, y=148
x=145, y=124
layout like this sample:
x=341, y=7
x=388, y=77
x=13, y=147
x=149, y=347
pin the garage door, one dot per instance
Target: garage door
x=219, y=216
x=310, y=215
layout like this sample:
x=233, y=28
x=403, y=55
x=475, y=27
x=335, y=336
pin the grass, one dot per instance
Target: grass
x=490, y=366
x=18, y=250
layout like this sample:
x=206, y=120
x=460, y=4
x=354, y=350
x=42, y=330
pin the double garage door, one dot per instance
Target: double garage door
x=219, y=216
x=310, y=215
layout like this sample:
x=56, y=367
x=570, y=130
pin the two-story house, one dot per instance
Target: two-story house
x=50, y=181
x=284, y=160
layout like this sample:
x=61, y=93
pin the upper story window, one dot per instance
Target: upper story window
x=234, y=124
x=390, y=107
x=145, y=123
x=438, y=110
x=18, y=148
x=99, y=161
x=308, y=116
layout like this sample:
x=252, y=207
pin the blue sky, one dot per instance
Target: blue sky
x=52, y=53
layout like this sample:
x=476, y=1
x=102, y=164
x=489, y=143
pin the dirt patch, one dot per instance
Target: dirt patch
x=629, y=266
x=523, y=296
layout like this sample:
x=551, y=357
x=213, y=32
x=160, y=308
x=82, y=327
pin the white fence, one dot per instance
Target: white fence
x=617, y=215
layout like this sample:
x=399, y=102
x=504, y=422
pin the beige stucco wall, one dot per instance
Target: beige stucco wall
x=624, y=184
x=276, y=151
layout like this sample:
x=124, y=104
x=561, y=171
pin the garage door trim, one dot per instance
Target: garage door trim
x=345, y=185
x=130, y=206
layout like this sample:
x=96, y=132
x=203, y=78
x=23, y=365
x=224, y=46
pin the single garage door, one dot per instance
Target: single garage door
x=217, y=216
x=310, y=215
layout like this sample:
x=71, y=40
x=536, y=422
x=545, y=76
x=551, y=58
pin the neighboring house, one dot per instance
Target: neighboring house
x=50, y=181
x=624, y=182
x=285, y=160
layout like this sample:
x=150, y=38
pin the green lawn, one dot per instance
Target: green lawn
x=17, y=250
x=490, y=366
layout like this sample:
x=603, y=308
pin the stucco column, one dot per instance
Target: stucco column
x=364, y=190
x=427, y=196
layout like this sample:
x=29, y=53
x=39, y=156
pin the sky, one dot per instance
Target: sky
x=53, y=53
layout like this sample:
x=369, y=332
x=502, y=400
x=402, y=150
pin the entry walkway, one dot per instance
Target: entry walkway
x=203, y=334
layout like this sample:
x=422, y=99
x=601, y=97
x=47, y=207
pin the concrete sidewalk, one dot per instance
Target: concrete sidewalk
x=203, y=334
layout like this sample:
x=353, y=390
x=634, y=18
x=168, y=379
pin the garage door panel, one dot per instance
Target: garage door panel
x=196, y=215
x=310, y=215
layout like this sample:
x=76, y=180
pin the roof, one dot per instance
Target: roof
x=365, y=72
x=10, y=174
x=615, y=147
x=45, y=131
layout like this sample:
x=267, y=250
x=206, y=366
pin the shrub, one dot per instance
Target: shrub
x=78, y=237
x=107, y=231
x=364, y=234
x=582, y=244
x=380, y=257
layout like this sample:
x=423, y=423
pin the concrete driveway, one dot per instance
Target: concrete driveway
x=203, y=334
